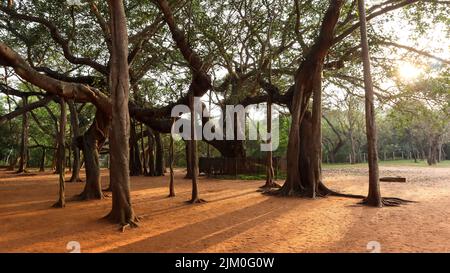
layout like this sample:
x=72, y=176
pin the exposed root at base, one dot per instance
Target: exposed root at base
x=86, y=197
x=283, y=192
x=58, y=204
x=124, y=224
x=75, y=181
x=272, y=185
x=347, y=195
x=131, y=223
x=387, y=202
x=171, y=195
x=197, y=201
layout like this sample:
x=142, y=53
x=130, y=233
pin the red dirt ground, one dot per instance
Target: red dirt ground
x=235, y=219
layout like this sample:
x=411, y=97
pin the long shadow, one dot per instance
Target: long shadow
x=201, y=235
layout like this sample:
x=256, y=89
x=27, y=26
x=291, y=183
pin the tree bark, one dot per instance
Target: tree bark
x=193, y=155
x=151, y=153
x=303, y=160
x=42, y=163
x=374, y=195
x=61, y=203
x=135, y=158
x=74, y=124
x=159, y=158
x=171, y=183
x=270, y=183
x=91, y=143
x=144, y=154
x=189, y=167
x=122, y=211
x=24, y=140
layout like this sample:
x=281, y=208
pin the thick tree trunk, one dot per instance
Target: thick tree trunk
x=91, y=143
x=303, y=160
x=74, y=124
x=135, y=158
x=24, y=140
x=61, y=203
x=122, y=211
x=374, y=195
x=159, y=158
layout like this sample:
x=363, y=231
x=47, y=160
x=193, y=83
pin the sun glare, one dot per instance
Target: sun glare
x=408, y=71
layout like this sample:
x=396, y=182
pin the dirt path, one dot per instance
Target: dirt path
x=236, y=218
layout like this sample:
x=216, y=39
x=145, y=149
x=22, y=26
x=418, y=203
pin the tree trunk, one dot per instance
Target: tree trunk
x=270, y=183
x=24, y=140
x=193, y=155
x=55, y=157
x=353, y=158
x=151, y=153
x=189, y=167
x=122, y=211
x=74, y=124
x=144, y=154
x=433, y=152
x=374, y=195
x=91, y=143
x=61, y=203
x=303, y=166
x=42, y=163
x=171, y=184
x=135, y=157
x=159, y=158
x=13, y=163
